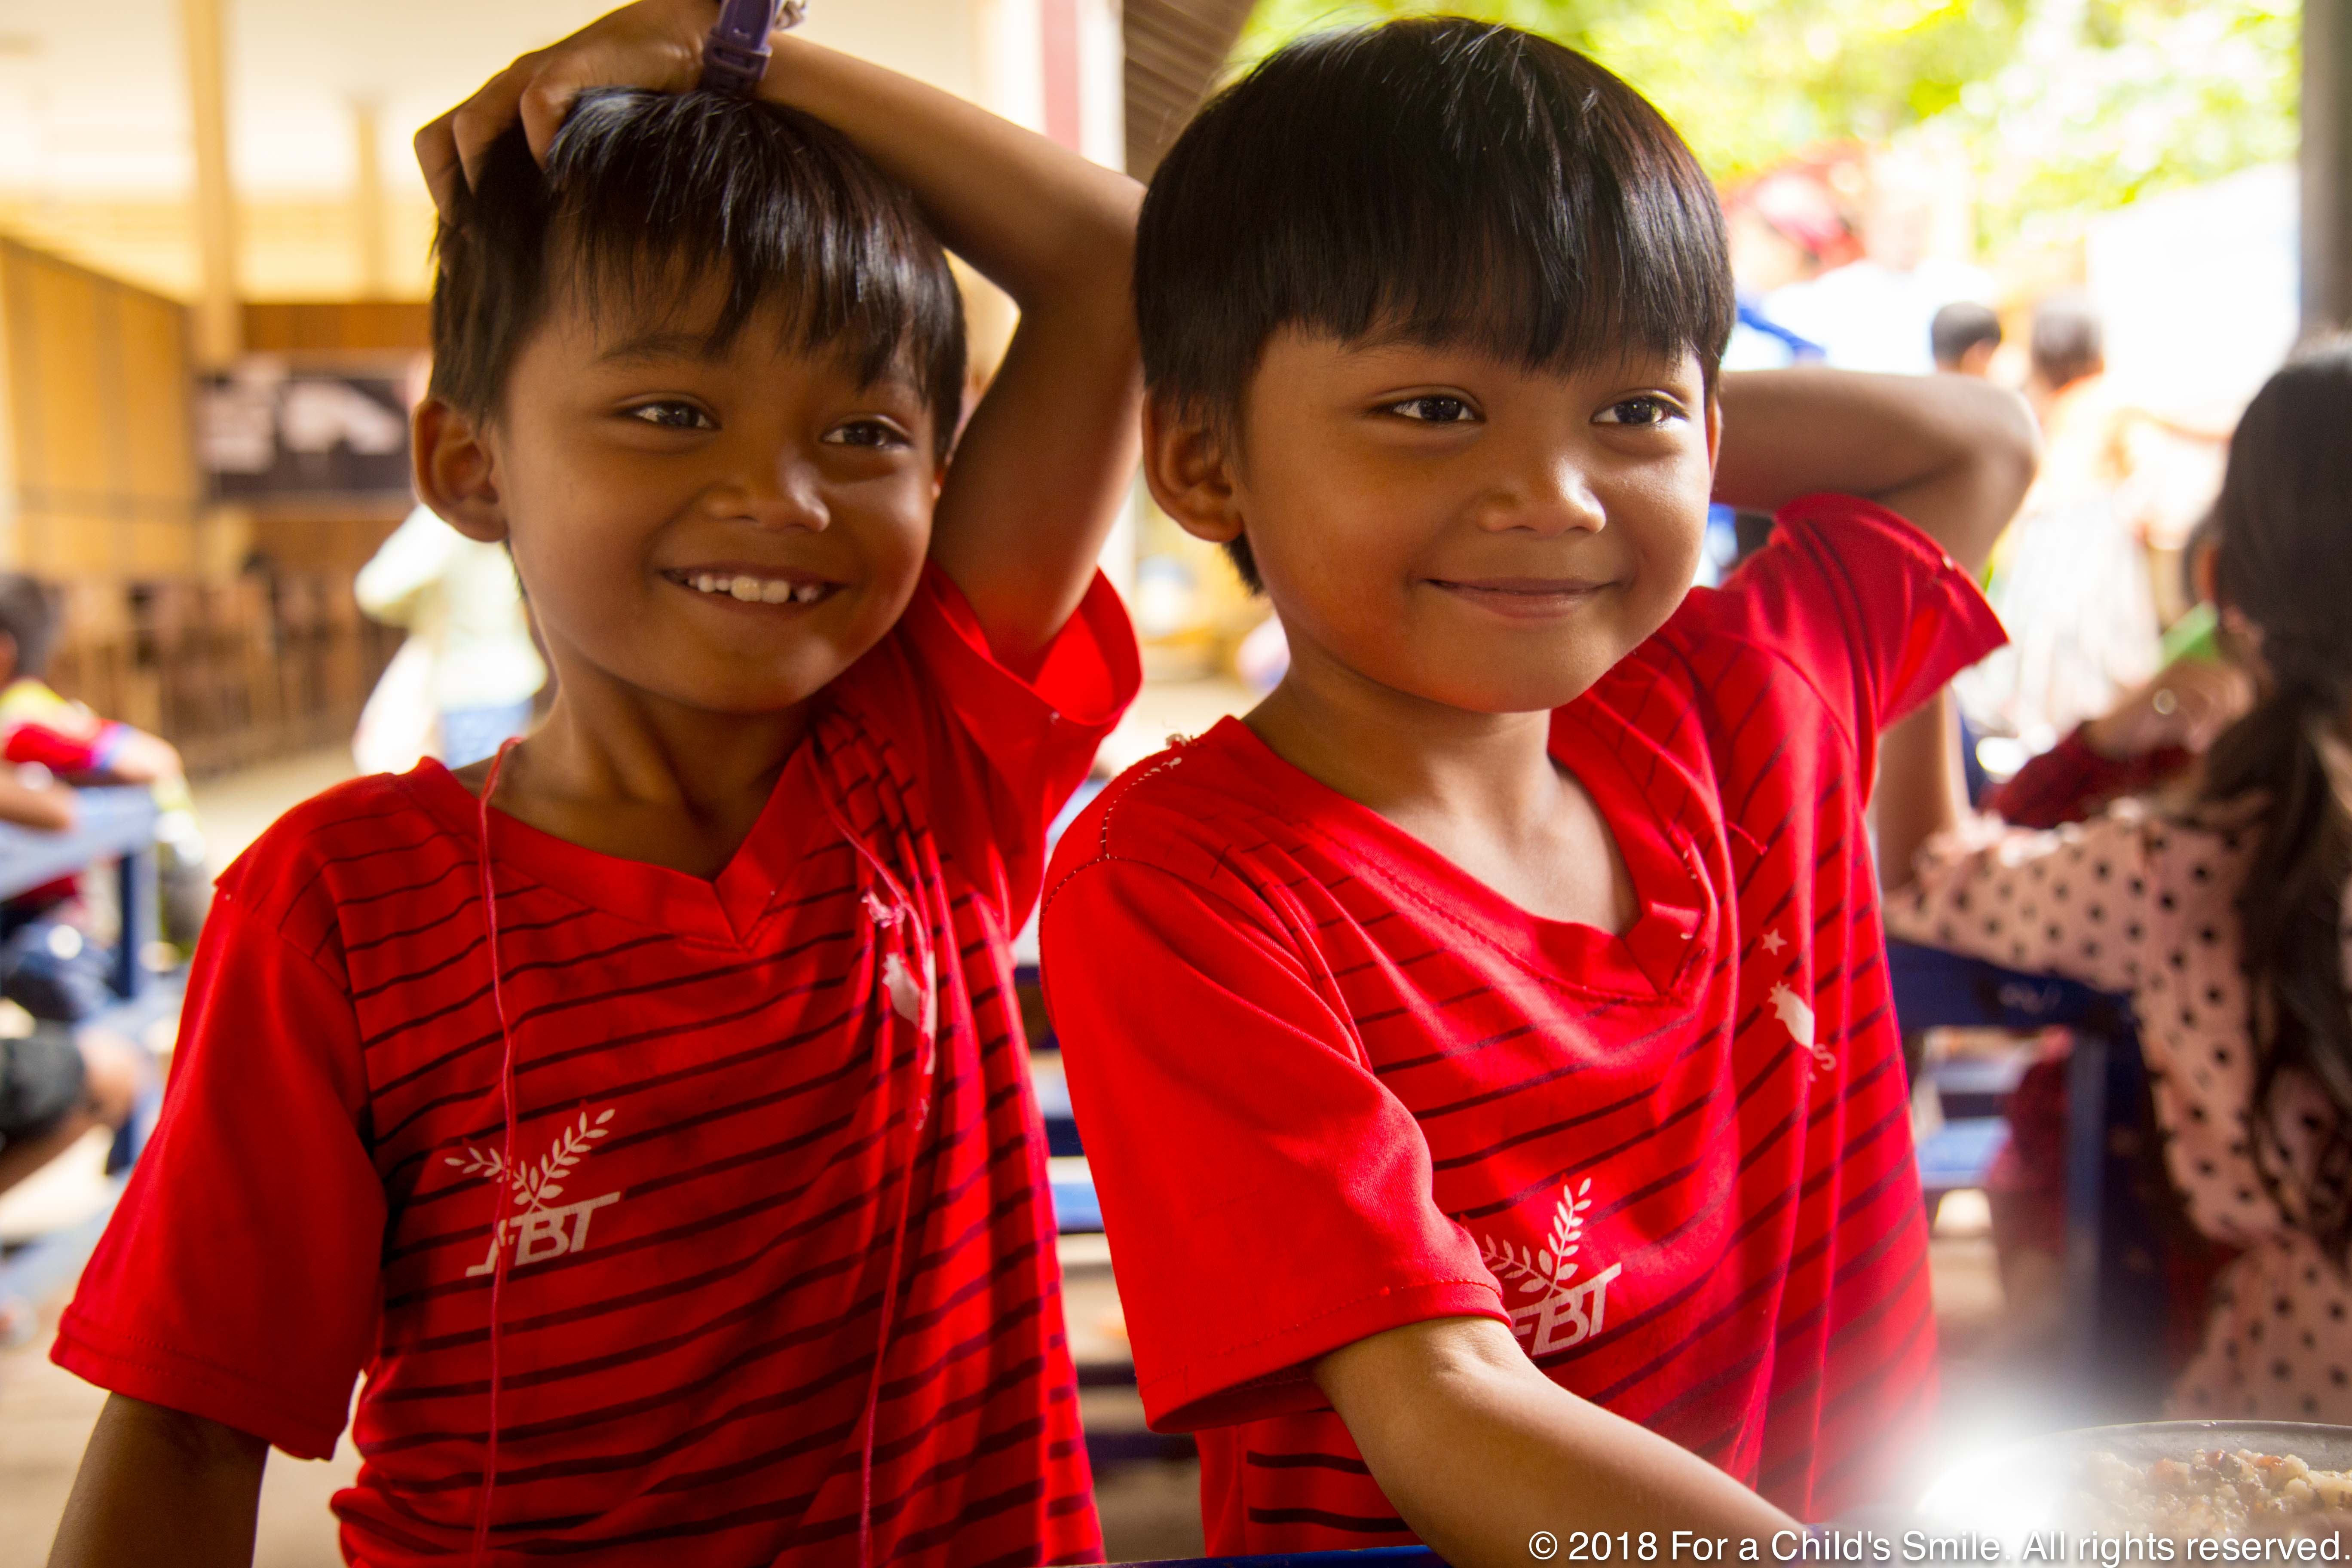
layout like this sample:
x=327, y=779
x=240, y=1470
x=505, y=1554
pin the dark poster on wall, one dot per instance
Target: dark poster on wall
x=268, y=431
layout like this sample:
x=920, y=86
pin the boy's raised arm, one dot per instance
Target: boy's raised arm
x=1046, y=461
x=1951, y=454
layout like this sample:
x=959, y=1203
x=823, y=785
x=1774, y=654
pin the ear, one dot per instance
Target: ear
x=7, y=657
x=1190, y=473
x=456, y=471
x=1714, y=427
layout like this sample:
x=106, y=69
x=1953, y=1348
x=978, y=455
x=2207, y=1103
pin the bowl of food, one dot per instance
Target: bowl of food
x=2103, y=1494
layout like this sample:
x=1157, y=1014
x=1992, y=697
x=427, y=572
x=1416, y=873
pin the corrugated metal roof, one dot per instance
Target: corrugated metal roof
x=1175, y=50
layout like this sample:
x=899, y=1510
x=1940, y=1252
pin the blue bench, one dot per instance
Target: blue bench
x=115, y=823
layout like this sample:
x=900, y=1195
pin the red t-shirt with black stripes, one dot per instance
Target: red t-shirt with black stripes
x=1330, y=1084
x=768, y=1127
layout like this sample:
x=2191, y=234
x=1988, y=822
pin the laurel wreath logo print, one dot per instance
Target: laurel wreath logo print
x=534, y=1185
x=1540, y=1271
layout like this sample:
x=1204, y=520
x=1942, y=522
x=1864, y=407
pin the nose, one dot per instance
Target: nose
x=776, y=490
x=1545, y=493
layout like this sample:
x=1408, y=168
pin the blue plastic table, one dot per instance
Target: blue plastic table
x=116, y=823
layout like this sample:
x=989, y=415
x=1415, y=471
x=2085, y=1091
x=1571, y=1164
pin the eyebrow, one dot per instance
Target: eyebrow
x=664, y=343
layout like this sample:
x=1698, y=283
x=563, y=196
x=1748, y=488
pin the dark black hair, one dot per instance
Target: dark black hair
x=647, y=196
x=1450, y=180
x=2068, y=341
x=31, y=616
x=2284, y=528
x=1959, y=327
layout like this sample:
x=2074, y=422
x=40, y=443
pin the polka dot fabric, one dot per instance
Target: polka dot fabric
x=2142, y=902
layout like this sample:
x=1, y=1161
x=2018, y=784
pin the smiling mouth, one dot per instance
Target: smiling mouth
x=1524, y=598
x=754, y=588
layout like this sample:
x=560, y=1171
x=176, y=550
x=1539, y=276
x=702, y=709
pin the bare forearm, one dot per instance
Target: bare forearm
x=1035, y=217
x=1479, y=1451
x=1919, y=790
x=50, y=808
x=1952, y=454
x=1043, y=468
x=159, y=1486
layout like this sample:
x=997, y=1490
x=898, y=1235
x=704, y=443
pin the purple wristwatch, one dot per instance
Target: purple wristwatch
x=735, y=55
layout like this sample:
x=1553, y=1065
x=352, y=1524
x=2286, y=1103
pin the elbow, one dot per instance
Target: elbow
x=2005, y=446
x=2015, y=441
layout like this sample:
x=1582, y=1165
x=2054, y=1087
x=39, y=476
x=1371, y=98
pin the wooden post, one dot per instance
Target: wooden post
x=219, y=313
x=367, y=200
x=2327, y=164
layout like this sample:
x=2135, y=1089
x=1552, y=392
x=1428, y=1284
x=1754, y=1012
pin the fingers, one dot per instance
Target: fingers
x=657, y=44
x=661, y=62
x=482, y=118
x=437, y=155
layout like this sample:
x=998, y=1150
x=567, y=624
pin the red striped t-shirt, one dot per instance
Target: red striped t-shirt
x=769, y=1128
x=1330, y=1085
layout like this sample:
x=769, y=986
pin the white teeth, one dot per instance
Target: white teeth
x=758, y=590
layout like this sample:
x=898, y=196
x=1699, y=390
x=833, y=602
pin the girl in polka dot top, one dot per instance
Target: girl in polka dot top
x=2222, y=909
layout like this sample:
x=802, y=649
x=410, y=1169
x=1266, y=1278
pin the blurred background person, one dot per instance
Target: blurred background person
x=1875, y=313
x=44, y=733
x=2217, y=902
x=1964, y=336
x=2071, y=579
x=1782, y=229
x=467, y=687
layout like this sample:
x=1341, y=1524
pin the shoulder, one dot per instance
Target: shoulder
x=366, y=839
x=1192, y=813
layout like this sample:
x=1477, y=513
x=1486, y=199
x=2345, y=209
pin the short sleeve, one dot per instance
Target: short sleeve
x=238, y=1280
x=66, y=751
x=1003, y=751
x=1872, y=609
x=2072, y=902
x=1268, y=1200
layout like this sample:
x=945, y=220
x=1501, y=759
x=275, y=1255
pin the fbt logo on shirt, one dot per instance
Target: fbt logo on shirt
x=1566, y=1310
x=543, y=1230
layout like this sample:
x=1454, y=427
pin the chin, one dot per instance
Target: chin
x=1507, y=684
x=741, y=697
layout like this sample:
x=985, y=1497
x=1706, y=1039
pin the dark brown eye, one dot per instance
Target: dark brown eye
x=1434, y=409
x=874, y=435
x=673, y=416
x=1641, y=411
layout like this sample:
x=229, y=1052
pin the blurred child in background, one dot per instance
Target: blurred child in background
x=2218, y=904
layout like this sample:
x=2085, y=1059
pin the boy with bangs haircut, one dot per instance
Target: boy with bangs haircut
x=645, y=1112
x=1494, y=1023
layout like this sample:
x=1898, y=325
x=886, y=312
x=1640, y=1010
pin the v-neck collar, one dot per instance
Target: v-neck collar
x=1655, y=956
x=724, y=909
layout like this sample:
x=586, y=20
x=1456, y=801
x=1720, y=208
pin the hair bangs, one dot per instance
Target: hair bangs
x=700, y=213
x=1438, y=180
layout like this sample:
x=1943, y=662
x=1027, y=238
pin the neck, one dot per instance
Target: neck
x=606, y=742
x=1407, y=757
